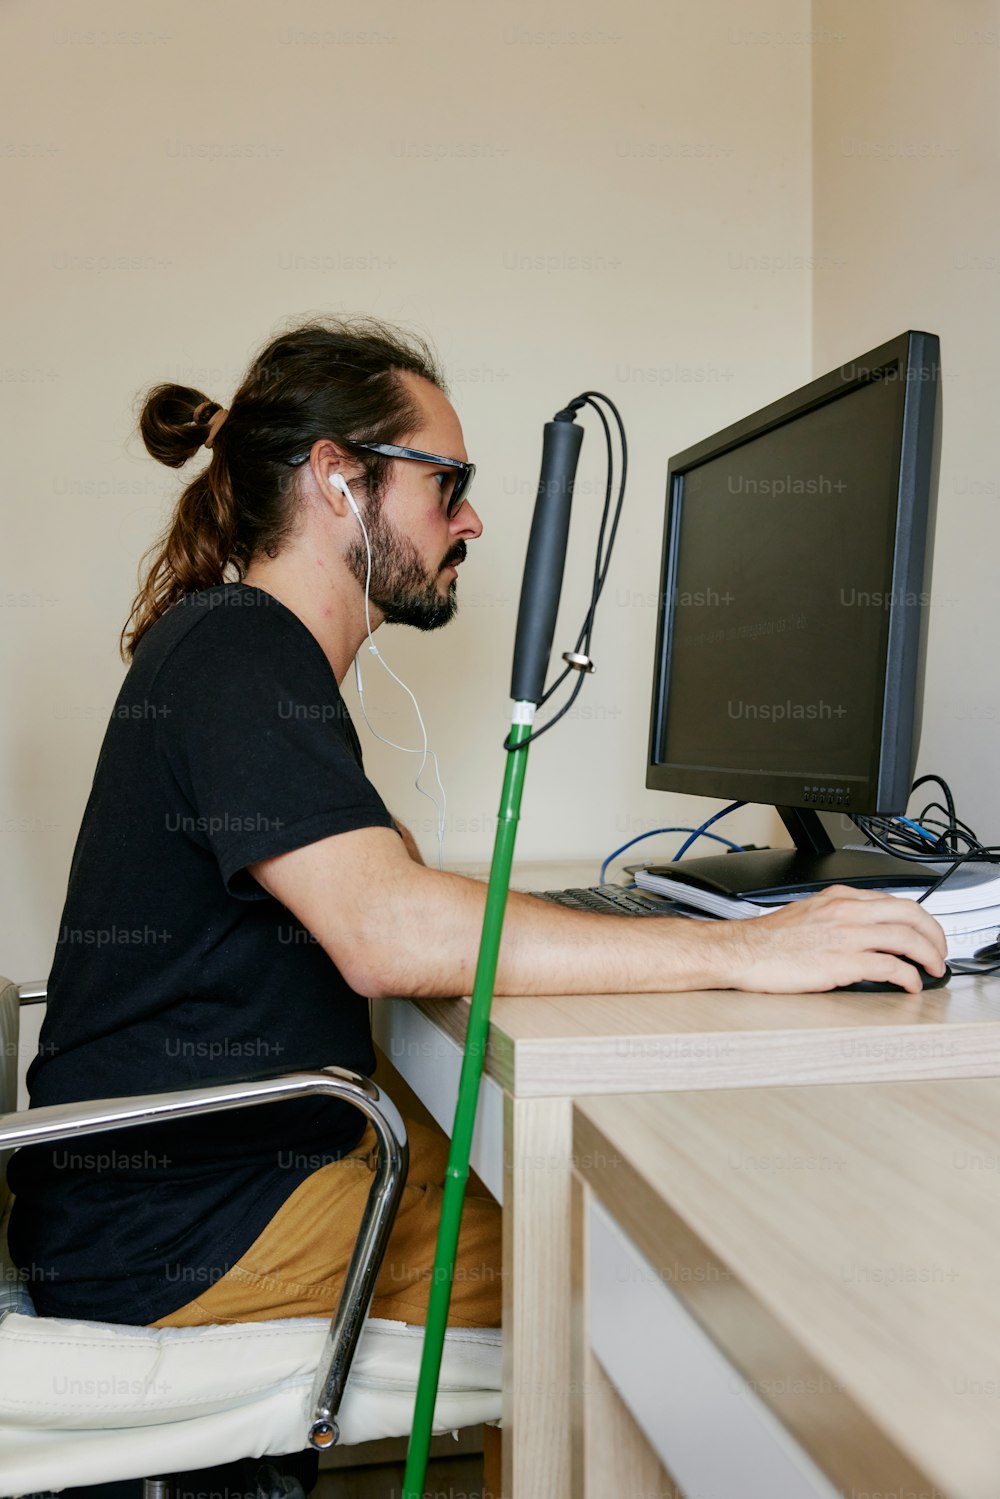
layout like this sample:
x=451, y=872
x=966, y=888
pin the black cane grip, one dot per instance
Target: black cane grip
x=546, y=559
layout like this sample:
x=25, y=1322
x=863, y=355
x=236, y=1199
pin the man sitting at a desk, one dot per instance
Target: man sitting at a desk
x=238, y=884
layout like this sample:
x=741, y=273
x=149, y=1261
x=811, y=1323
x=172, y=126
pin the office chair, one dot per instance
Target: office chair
x=88, y=1403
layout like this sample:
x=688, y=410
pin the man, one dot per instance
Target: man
x=233, y=813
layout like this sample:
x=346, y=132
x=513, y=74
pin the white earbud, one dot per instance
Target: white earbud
x=337, y=481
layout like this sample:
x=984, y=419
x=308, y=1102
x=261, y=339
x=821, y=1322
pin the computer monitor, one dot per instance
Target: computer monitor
x=792, y=618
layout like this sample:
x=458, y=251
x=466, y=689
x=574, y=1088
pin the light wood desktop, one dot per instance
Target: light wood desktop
x=545, y=1051
x=834, y=1247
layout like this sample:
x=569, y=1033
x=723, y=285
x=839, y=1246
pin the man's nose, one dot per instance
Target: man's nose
x=466, y=522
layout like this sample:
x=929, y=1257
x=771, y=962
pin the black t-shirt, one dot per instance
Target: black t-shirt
x=229, y=743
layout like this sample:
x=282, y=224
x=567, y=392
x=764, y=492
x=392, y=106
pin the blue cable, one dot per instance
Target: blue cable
x=697, y=832
x=908, y=822
x=700, y=832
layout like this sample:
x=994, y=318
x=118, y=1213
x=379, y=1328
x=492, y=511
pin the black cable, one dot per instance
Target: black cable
x=893, y=836
x=923, y=780
x=600, y=574
x=969, y=965
x=591, y=397
x=555, y=718
x=583, y=639
x=896, y=842
x=936, y=886
x=601, y=562
x=953, y=824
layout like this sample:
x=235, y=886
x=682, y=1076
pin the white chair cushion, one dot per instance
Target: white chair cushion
x=88, y=1402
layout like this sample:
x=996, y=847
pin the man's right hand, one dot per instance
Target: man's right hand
x=841, y=936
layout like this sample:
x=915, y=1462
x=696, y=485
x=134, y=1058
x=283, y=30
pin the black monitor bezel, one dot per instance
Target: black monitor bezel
x=913, y=360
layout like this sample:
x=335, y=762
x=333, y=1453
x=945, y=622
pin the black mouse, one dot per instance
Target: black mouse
x=877, y=986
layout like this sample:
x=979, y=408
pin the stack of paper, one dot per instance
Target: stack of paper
x=967, y=905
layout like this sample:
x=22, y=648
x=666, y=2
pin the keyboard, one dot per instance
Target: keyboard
x=612, y=900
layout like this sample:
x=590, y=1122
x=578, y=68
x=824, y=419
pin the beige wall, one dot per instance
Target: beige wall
x=579, y=196
x=907, y=235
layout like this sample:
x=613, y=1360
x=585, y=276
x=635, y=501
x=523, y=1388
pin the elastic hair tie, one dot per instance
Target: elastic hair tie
x=214, y=424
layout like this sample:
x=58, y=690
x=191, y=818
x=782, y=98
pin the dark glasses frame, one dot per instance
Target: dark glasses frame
x=465, y=472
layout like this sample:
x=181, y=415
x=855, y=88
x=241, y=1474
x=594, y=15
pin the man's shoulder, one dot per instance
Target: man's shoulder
x=236, y=656
x=221, y=622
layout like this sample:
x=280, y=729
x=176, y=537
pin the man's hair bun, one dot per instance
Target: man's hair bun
x=168, y=425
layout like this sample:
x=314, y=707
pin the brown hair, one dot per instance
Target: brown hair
x=336, y=378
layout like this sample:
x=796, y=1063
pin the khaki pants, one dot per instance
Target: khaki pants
x=296, y=1267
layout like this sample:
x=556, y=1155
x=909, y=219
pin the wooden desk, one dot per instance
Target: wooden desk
x=544, y=1052
x=835, y=1251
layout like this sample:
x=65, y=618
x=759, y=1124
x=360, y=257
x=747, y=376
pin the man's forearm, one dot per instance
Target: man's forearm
x=545, y=948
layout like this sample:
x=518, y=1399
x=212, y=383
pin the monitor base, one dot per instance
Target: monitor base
x=796, y=871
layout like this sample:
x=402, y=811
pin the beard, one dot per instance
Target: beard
x=401, y=586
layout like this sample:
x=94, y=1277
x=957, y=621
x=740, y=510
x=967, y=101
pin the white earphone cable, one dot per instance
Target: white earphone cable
x=423, y=750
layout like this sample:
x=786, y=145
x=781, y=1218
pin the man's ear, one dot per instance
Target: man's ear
x=328, y=462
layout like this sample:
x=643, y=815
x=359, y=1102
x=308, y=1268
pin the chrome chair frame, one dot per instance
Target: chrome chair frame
x=71, y=1120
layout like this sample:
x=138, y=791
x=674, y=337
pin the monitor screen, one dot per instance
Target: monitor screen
x=794, y=594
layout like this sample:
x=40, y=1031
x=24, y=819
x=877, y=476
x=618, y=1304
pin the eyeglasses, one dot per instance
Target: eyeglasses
x=464, y=472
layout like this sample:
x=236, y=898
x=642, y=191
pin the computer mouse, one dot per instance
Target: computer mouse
x=876, y=986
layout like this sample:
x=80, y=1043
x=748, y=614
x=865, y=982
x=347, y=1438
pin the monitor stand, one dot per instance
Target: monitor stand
x=812, y=865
